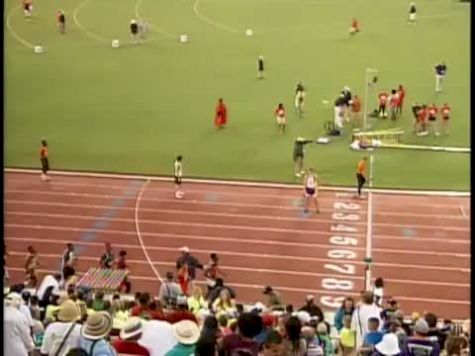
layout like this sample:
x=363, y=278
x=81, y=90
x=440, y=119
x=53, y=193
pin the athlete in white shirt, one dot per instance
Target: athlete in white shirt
x=311, y=190
x=178, y=174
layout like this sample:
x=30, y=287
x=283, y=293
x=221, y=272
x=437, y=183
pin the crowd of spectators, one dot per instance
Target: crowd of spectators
x=60, y=319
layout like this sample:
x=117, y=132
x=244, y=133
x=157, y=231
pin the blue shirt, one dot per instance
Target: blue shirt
x=372, y=338
x=101, y=347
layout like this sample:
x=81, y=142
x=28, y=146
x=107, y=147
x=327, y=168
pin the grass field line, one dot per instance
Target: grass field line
x=82, y=28
x=236, y=227
x=259, y=270
x=13, y=32
x=247, y=254
x=346, y=24
x=277, y=287
x=195, y=203
x=268, y=242
x=235, y=182
x=211, y=22
x=153, y=26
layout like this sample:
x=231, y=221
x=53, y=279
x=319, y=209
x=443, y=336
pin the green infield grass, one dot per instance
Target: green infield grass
x=134, y=108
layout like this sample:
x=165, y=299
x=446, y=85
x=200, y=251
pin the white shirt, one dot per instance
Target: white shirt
x=157, y=337
x=48, y=281
x=54, y=335
x=359, y=320
x=378, y=293
x=311, y=181
x=17, y=340
x=178, y=170
x=27, y=313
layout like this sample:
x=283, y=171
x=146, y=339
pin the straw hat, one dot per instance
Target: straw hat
x=98, y=325
x=14, y=299
x=389, y=345
x=132, y=328
x=186, y=332
x=68, y=311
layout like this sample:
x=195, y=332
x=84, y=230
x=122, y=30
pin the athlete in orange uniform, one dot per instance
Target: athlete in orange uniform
x=360, y=174
x=221, y=117
x=354, y=27
x=44, y=161
x=445, y=112
x=27, y=8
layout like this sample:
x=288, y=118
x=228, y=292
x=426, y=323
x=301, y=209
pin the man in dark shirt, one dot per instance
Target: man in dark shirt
x=434, y=333
x=260, y=67
x=440, y=71
x=191, y=261
x=107, y=258
x=242, y=342
x=313, y=309
x=420, y=344
x=299, y=155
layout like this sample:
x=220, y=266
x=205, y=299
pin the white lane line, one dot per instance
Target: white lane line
x=280, y=288
x=82, y=28
x=249, y=254
x=13, y=32
x=211, y=22
x=139, y=234
x=235, y=183
x=260, y=270
x=326, y=197
x=228, y=226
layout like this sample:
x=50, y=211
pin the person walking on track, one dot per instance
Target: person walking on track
x=44, y=161
x=178, y=174
x=311, y=190
x=361, y=174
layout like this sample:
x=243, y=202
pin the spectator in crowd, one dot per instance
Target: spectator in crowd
x=17, y=340
x=361, y=315
x=94, y=335
x=378, y=291
x=223, y=325
x=388, y=346
x=31, y=264
x=144, y=311
x=372, y=337
x=347, y=337
x=273, y=300
x=389, y=311
x=212, y=270
x=273, y=346
x=313, y=309
x=323, y=335
x=214, y=293
x=249, y=326
x=99, y=304
x=313, y=342
x=70, y=277
x=347, y=308
x=187, y=334
x=80, y=302
x=52, y=308
x=224, y=304
x=395, y=327
x=455, y=345
x=269, y=321
x=48, y=286
x=24, y=308
x=121, y=264
x=157, y=337
x=169, y=291
x=64, y=334
x=127, y=343
x=69, y=258
x=419, y=343
x=190, y=261
x=196, y=303
x=35, y=310
x=181, y=312
x=207, y=343
x=434, y=333
x=107, y=258
x=294, y=343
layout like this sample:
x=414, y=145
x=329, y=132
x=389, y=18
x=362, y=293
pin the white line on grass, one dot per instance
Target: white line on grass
x=236, y=183
x=155, y=27
x=82, y=28
x=14, y=34
x=211, y=22
x=139, y=235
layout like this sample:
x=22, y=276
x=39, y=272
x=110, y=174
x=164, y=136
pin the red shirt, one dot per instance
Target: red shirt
x=445, y=110
x=383, y=97
x=421, y=115
x=432, y=111
x=180, y=315
x=139, y=311
x=402, y=94
x=394, y=100
x=129, y=348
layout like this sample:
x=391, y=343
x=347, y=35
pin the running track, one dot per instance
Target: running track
x=420, y=244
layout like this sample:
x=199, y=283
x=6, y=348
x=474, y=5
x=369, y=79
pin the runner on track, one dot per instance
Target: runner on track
x=311, y=190
x=178, y=174
x=44, y=161
x=360, y=174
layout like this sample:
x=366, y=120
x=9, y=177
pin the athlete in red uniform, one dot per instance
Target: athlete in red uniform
x=354, y=27
x=432, y=118
x=445, y=112
x=383, y=99
x=401, y=92
x=221, y=117
x=280, y=116
x=421, y=120
x=393, y=104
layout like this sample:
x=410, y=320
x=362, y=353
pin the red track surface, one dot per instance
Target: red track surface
x=421, y=244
